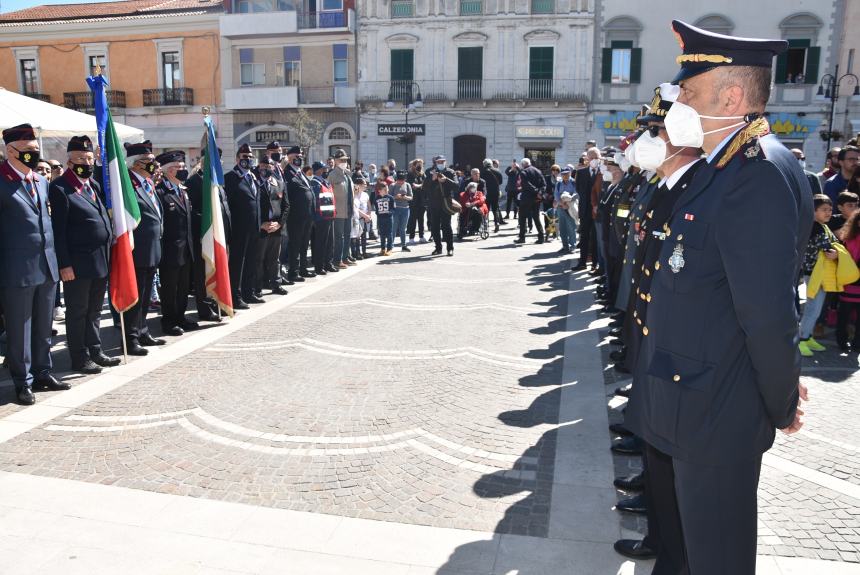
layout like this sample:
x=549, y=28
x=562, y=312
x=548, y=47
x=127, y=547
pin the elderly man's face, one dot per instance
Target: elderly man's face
x=82, y=158
x=173, y=168
x=476, y=175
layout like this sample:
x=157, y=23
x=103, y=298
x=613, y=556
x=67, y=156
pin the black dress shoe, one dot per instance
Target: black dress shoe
x=51, y=383
x=619, y=429
x=25, y=396
x=634, y=549
x=295, y=278
x=520, y=241
x=103, y=360
x=209, y=316
x=630, y=483
x=618, y=355
x=450, y=252
x=596, y=272
x=578, y=267
x=171, y=330
x=148, y=340
x=620, y=368
x=615, y=331
x=88, y=366
x=616, y=341
x=254, y=299
x=436, y=253
x=307, y=274
x=135, y=348
x=239, y=303
x=616, y=323
x=636, y=504
x=622, y=391
x=189, y=325
x=626, y=446
x=279, y=290
x=320, y=272
x=539, y=241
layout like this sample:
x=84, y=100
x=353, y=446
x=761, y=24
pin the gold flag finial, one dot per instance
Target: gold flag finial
x=205, y=111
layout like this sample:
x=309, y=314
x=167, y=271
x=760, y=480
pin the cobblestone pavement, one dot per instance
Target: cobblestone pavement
x=797, y=517
x=420, y=390
x=411, y=392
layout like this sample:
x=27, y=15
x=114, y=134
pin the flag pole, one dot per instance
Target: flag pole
x=205, y=110
x=124, y=343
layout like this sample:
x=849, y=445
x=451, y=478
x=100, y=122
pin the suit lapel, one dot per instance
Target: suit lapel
x=700, y=181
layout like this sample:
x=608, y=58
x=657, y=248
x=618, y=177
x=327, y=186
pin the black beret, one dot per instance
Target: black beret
x=170, y=157
x=23, y=132
x=401, y=176
x=294, y=150
x=273, y=145
x=244, y=149
x=79, y=144
x=140, y=149
x=703, y=50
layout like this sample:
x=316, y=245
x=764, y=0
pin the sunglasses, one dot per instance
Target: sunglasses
x=654, y=130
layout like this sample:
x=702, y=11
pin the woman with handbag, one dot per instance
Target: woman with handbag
x=440, y=190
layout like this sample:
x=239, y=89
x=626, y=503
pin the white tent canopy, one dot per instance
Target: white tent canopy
x=53, y=122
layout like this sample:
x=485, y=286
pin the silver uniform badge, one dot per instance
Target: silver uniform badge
x=676, y=261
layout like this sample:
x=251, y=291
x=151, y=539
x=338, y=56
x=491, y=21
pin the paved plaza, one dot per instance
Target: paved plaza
x=410, y=415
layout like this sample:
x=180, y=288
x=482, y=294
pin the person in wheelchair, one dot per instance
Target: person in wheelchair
x=473, y=210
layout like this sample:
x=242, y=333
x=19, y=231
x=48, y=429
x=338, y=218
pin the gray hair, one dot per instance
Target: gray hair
x=471, y=186
x=593, y=150
x=526, y=162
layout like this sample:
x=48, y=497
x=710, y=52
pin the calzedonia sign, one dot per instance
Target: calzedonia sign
x=400, y=129
x=555, y=132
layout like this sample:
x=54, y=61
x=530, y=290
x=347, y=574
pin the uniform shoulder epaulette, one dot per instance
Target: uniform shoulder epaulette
x=746, y=142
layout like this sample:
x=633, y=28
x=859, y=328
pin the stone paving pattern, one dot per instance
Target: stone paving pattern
x=483, y=458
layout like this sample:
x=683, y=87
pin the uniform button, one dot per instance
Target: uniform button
x=645, y=330
x=656, y=266
x=680, y=237
x=676, y=377
x=639, y=321
x=648, y=298
x=635, y=313
x=642, y=295
x=647, y=272
x=625, y=260
x=637, y=291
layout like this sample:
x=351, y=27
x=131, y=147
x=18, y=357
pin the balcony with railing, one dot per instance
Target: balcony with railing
x=83, y=101
x=543, y=6
x=276, y=22
x=42, y=97
x=402, y=8
x=471, y=7
x=168, y=97
x=556, y=89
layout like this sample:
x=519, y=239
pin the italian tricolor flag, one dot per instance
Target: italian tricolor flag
x=212, y=227
x=126, y=216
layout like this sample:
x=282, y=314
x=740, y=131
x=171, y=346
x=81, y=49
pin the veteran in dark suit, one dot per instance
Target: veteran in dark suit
x=584, y=180
x=147, y=245
x=28, y=265
x=301, y=216
x=82, y=237
x=177, y=243
x=719, y=365
x=240, y=185
x=274, y=210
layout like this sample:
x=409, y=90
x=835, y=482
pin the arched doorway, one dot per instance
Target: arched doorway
x=469, y=150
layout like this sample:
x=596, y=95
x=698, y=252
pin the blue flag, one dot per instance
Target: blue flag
x=97, y=87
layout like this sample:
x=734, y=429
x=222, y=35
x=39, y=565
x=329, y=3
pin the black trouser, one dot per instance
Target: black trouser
x=299, y=231
x=206, y=306
x=268, y=251
x=135, y=316
x=84, y=301
x=843, y=318
x=493, y=203
x=664, y=523
x=416, y=215
x=530, y=211
x=441, y=222
x=243, y=261
x=511, y=202
x=587, y=239
x=29, y=313
x=175, y=286
x=323, y=248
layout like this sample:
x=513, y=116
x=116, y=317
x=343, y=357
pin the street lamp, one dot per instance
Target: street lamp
x=829, y=88
x=408, y=93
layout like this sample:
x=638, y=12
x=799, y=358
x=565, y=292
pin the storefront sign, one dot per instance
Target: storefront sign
x=272, y=136
x=542, y=132
x=399, y=129
x=791, y=126
x=617, y=124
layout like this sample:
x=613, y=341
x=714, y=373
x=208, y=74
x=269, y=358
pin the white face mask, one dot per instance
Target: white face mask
x=605, y=173
x=632, y=154
x=651, y=153
x=684, y=126
x=624, y=163
x=594, y=164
